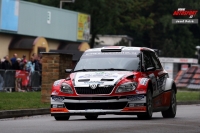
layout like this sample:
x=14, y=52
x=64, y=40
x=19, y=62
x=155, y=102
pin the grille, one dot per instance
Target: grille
x=83, y=106
x=98, y=90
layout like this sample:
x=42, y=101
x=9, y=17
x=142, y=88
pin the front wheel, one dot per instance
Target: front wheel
x=58, y=118
x=91, y=117
x=171, y=112
x=147, y=115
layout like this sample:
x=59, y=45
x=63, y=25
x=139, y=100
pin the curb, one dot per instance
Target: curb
x=43, y=111
x=24, y=112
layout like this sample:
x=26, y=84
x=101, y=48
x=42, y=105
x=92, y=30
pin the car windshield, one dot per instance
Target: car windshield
x=128, y=61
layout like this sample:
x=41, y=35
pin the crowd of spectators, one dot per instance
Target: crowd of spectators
x=16, y=63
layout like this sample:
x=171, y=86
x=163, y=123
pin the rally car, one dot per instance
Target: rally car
x=115, y=80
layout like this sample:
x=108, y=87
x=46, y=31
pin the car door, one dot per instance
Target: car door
x=161, y=76
x=150, y=71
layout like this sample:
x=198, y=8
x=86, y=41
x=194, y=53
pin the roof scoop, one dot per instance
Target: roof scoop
x=112, y=49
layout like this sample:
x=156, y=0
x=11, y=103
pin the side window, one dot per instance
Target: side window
x=156, y=61
x=147, y=60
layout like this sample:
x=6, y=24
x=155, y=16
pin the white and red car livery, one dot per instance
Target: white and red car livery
x=115, y=80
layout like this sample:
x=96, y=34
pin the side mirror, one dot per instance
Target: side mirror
x=68, y=70
x=150, y=68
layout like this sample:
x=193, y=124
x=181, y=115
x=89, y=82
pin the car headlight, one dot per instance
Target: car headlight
x=66, y=88
x=126, y=87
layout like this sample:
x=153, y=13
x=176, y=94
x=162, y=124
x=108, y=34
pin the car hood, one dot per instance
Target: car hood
x=101, y=78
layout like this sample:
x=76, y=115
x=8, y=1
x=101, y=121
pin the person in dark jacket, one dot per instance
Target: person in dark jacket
x=6, y=65
x=14, y=59
x=16, y=65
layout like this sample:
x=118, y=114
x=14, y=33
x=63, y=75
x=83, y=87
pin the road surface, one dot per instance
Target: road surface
x=187, y=121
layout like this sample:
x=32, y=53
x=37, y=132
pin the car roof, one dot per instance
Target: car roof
x=118, y=49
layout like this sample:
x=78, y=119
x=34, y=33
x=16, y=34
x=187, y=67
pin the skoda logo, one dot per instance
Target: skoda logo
x=93, y=86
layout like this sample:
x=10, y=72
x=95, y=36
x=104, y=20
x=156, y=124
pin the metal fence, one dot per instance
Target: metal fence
x=19, y=78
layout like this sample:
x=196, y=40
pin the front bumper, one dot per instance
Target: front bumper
x=99, y=105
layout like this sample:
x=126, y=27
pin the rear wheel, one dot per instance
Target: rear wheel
x=91, y=117
x=171, y=112
x=147, y=115
x=58, y=118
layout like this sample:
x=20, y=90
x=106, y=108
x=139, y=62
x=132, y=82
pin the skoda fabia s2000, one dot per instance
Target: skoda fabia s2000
x=115, y=80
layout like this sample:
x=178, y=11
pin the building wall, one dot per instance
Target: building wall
x=112, y=39
x=49, y=22
x=53, y=44
x=4, y=44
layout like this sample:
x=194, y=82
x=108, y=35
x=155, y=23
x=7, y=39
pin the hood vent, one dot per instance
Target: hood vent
x=107, y=79
x=83, y=80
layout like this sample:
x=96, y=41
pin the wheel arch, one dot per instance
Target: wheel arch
x=170, y=84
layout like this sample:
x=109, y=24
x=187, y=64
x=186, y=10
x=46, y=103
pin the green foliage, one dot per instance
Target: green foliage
x=148, y=22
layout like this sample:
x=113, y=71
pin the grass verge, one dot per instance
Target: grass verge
x=32, y=100
x=21, y=100
x=188, y=96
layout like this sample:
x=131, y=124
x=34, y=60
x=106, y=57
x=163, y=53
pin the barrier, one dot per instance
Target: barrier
x=2, y=72
x=35, y=80
x=19, y=79
x=9, y=79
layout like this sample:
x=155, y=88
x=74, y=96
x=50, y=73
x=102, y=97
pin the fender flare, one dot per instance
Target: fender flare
x=170, y=84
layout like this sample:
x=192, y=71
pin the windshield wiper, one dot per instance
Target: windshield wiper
x=85, y=70
x=80, y=70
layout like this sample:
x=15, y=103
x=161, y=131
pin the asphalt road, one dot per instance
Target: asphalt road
x=186, y=121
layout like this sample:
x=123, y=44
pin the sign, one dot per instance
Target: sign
x=83, y=32
x=184, y=67
x=185, y=12
x=9, y=10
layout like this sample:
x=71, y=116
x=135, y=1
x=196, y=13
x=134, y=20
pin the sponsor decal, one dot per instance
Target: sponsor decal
x=111, y=53
x=94, y=82
x=58, y=98
x=99, y=75
x=143, y=81
x=140, y=91
x=135, y=98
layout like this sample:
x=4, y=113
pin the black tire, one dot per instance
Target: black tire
x=147, y=115
x=58, y=118
x=91, y=117
x=171, y=112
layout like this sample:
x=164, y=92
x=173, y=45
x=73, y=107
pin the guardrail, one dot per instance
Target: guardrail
x=20, y=79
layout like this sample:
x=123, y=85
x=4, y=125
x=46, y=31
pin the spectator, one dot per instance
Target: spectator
x=0, y=65
x=7, y=65
x=16, y=65
x=24, y=59
x=30, y=66
x=23, y=62
x=14, y=59
x=36, y=61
